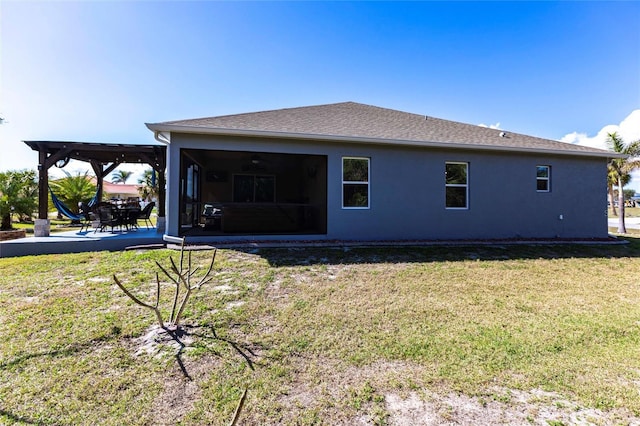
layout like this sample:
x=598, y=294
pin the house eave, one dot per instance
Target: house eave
x=162, y=134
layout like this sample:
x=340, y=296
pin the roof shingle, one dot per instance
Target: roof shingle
x=359, y=122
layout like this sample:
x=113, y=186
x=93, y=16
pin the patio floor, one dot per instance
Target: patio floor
x=77, y=242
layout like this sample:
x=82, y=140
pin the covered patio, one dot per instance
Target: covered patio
x=104, y=158
x=240, y=193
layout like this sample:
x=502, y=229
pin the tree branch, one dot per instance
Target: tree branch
x=140, y=302
x=236, y=414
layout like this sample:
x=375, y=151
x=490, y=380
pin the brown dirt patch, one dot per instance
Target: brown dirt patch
x=180, y=394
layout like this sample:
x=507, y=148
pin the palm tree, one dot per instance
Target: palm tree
x=612, y=182
x=72, y=190
x=18, y=195
x=149, y=185
x=621, y=167
x=120, y=176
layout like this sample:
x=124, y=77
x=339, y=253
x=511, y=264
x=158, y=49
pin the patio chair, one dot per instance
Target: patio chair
x=131, y=221
x=95, y=210
x=109, y=218
x=212, y=216
x=87, y=216
x=145, y=214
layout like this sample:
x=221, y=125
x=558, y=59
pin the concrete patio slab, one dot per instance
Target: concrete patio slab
x=77, y=242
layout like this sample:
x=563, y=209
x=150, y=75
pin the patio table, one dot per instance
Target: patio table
x=128, y=216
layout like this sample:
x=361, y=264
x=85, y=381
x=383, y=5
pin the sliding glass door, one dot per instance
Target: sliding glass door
x=190, y=193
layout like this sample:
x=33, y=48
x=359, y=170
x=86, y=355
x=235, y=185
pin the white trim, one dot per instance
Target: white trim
x=547, y=179
x=159, y=127
x=457, y=185
x=348, y=182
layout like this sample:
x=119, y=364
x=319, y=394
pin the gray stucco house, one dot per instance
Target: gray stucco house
x=349, y=171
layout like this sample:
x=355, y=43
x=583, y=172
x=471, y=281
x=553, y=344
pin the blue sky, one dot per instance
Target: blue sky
x=98, y=70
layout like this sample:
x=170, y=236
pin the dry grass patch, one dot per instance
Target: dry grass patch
x=324, y=336
x=501, y=407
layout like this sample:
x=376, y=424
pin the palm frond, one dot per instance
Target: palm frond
x=621, y=168
x=633, y=149
x=615, y=142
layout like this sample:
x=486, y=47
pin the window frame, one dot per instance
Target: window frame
x=457, y=185
x=546, y=179
x=366, y=183
x=254, y=177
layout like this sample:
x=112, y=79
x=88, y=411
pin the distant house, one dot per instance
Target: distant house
x=349, y=171
x=121, y=191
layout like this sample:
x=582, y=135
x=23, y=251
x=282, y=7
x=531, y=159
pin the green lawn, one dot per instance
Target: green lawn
x=56, y=226
x=628, y=212
x=64, y=225
x=324, y=336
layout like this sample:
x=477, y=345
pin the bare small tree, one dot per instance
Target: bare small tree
x=182, y=277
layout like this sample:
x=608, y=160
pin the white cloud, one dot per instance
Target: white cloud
x=491, y=126
x=628, y=129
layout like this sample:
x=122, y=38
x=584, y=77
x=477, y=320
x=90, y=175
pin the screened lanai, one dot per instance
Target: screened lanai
x=252, y=193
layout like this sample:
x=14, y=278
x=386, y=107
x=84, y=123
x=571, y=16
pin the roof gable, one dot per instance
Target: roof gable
x=351, y=121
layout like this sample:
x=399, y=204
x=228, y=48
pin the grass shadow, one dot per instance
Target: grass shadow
x=69, y=350
x=15, y=418
x=243, y=350
x=236, y=346
x=176, y=335
x=187, y=330
x=628, y=246
x=66, y=351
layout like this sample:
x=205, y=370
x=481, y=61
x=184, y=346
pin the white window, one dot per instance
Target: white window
x=456, y=185
x=543, y=178
x=355, y=183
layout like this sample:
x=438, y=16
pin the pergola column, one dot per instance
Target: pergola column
x=42, y=226
x=161, y=224
x=43, y=186
x=158, y=163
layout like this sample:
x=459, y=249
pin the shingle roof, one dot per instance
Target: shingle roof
x=351, y=121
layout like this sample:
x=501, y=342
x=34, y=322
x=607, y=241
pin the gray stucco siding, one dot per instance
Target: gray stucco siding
x=408, y=197
x=407, y=191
